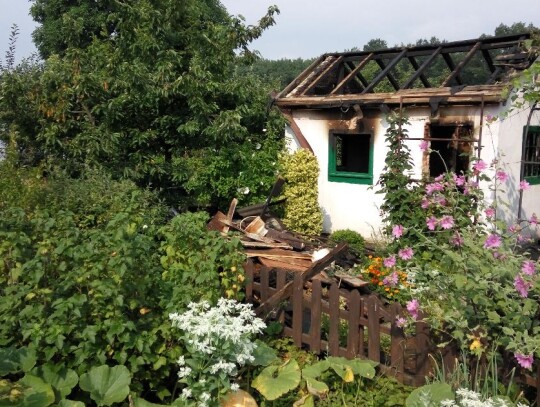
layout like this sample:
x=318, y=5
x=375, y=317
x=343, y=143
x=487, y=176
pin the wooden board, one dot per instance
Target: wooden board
x=283, y=265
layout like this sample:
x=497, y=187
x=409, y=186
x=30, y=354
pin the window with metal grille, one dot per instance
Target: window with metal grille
x=450, y=148
x=350, y=157
x=531, y=155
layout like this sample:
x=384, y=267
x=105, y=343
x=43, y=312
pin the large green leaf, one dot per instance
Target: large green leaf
x=430, y=395
x=275, y=381
x=70, y=403
x=16, y=360
x=37, y=392
x=106, y=385
x=63, y=380
x=263, y=354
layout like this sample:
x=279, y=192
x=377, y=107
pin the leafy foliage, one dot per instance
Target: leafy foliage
x=302, y=211
x=354, y=240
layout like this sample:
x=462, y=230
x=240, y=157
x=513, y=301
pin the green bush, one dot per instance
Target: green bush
x=354, y=240
x=302, y=211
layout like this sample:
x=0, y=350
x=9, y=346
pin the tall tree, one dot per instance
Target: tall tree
x=157, y=100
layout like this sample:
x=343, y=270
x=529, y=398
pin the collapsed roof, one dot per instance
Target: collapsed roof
x=462, y=72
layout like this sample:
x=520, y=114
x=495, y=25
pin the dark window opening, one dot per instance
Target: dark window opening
x=350, y=158
x=531, y=155
x=451, y=148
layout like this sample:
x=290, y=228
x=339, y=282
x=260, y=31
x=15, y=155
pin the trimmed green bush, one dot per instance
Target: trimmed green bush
x=354, y=239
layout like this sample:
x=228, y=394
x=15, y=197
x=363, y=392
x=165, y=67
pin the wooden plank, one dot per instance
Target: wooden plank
x=455, y=73
x=286, y=291
x=333, y=330
x=297, y=299
x=361, y=346
x=397, y=342
x=354, y=317
x=230, y=214
x=419, y=71
x=281, y=280
x=351, y=280
x=264, y=245
x=374, y=334
x=384, y=73
x=278, y=253
x=389, y=75
x=256, y=226
x=352, y=74
x=216, y=223
x=322, y=75
x=315, y=327
x=264, y=272
x=272, y=263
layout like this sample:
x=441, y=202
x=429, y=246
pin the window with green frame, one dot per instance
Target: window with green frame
x=350, y=157
x=531, y=155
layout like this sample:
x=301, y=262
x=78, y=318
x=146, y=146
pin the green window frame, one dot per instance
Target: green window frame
x=350, y=157
x=531, y=154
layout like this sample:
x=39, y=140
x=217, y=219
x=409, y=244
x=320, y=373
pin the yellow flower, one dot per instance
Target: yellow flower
x=475, y=344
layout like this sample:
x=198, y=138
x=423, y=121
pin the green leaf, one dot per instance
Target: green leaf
x=37, y=394
x=106, y=385
x=430, y=395
x=70, y=403
x=63, y=380
x=16, y=360
x=138, y=402
x=275, y=381
x=263, y=354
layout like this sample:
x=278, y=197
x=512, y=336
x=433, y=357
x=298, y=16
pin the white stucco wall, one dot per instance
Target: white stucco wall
x=353, y=206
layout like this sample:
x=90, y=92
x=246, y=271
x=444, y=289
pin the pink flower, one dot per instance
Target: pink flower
x=389, y=262
x=436, y=186
x=425, y=203
x=447, y=222
x=501, y=176
x=391, y=280
x=424, y=145
x=431, y=223
x=525, y=361
x=522, y=286
x=492, y=241
x=524, y=185
x=397, y=231
x=479, y=166
x=413, y=307
x=528, y=267
x=533, y=220
x=440, y=200
x=456, y=240
x=401, y=322
x=490, y=212
x=460, y=180
x=406, y=253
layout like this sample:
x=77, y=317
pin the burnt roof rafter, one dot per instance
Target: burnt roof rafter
x=470, y=63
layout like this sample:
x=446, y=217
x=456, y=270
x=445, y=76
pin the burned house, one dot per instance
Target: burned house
x=457, y=97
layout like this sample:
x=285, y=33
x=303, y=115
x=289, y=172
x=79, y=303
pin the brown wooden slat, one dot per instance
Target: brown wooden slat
x=281, y=279
x=384, y=72
x=361, y=347
x=455, y=73
x=315, y=326
x=488, y=59
x=353, y=320
x=389, y=75
x=351, y=74
x=421, y=69
x=264, y=272
x=285, y=265
x=334, y=320
x=374, y=334
x=272, y=253
x=422, y=352
x=450, y=63
x=422, y=77
x=297, y=299
x=321, y=75
x=397, y=343
x=249, y=267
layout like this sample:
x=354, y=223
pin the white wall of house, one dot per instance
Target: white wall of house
x=354, y=206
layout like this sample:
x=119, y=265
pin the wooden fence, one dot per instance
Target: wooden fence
x=325, y=318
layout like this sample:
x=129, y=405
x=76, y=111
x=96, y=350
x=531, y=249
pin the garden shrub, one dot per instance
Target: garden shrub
x=354, y=240
x=302, y=211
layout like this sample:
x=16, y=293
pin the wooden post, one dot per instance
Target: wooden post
x=422, y=352
x=316, y=309
x=333, y=333
x=374, y=333
x=297, y=300
x=354, y=320
x=249, y=268
x=265, y=283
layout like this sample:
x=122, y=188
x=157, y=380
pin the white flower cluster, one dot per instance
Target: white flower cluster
x=469, y=398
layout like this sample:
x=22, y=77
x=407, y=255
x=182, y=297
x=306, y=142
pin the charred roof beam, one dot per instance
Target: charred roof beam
x=421, y=69
x=389, y=75
x=460, y=65
x=385, y=72
x=353, y=73
x=322, y=75
x=450, y=63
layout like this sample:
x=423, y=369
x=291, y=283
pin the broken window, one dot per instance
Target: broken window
x=531, y=155
x=350, y=157
x=450, y=148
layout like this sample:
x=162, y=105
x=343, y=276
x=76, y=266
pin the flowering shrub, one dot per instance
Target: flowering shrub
x=469, y=398
x=384, y=280
x=218, y=340
x=467, y=276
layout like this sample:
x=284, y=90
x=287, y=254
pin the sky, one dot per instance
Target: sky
x=309, y=28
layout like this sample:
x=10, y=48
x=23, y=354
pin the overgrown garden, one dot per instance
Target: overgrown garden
x=138, y=123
